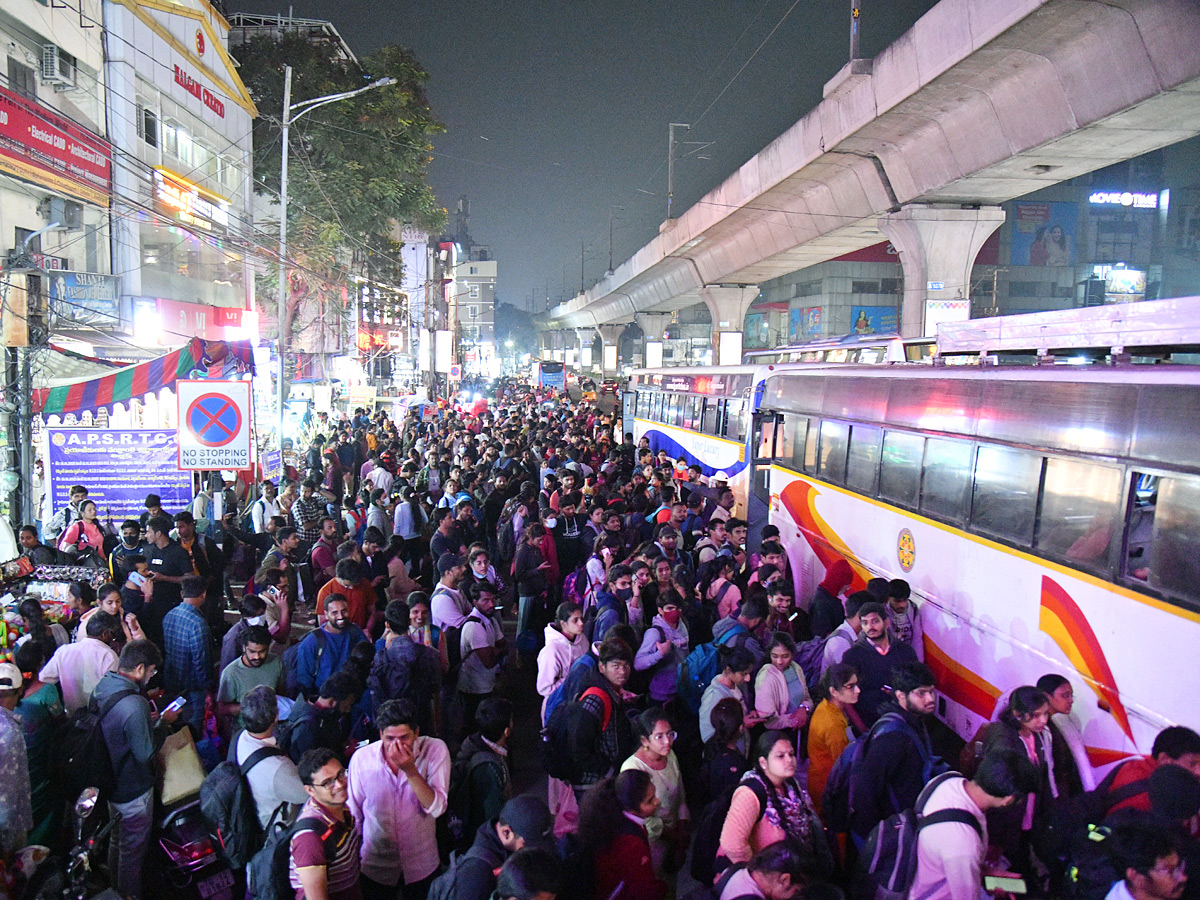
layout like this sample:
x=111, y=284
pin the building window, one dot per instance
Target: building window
x=22, y=79
x=864, y=287
x=171, y=138
x=147, y=125
x=808, y=289
x=473, y=292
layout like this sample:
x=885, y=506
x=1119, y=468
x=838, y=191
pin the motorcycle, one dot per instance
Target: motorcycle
x=72, y=877
x=191, y=859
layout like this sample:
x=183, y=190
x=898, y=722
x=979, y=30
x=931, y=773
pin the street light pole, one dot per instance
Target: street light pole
x=292, y=112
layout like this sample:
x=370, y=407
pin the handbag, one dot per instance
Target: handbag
x=179, y=768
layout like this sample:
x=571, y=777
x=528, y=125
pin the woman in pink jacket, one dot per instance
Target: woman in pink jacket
x=85, y=533
x=780, y=691
x=565, y=643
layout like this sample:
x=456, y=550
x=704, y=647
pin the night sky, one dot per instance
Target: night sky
x=557, y=110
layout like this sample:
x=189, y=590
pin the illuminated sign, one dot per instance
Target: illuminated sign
x=190, y=84
x=1124, y=198
x=190, y=205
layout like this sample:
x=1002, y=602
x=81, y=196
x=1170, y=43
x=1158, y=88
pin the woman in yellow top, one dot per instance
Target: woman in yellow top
x=829, y=730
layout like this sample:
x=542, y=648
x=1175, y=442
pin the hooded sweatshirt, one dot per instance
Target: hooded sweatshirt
x=827, y=610
x=555, y=660
x=664, y=679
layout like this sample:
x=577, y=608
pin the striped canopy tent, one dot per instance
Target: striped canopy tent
x=196, y=359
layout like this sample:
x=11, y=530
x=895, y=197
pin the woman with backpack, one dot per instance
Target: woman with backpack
x=670, y=827
x=612, y=833
x=737, y=668
x=829, y=730
x=664, y=646
x=780, y=690
x=724, y=759
x=717, y=587
x=86, y=535
x=565, y=643
x=770, y=805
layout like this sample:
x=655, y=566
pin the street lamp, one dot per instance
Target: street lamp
x=292, y=112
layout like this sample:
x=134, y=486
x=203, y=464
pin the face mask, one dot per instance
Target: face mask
x=551, y=522
x=624, y=593
x=671, y=616
x=257, y=620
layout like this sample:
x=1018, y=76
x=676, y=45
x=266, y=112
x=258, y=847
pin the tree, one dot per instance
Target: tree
x=516, y=325
x=356, y=167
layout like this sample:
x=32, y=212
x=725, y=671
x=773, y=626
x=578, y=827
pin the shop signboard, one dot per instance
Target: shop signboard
x=87, y=298
x=214, y=424
x=119, y=468
x=42, y=146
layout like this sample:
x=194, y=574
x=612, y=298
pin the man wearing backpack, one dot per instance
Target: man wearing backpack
x=404, y=669
x=275, y=779
x=480, y=781
x=950, y=854
x=603, y=739
x=132, y=739
x=323, y=722
x=742, y=623
x=898, y=760
x=325, y=651
x=524, y=821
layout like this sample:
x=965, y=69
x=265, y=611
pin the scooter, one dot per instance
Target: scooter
x=192, y=861
x=72, y=877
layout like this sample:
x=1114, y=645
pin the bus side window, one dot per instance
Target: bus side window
x=810, y=447
x=900, y=471
x=1171, y=515
x=712, y=416
x=795, y=429
x=862, y=465
x=1006, y=493
x=1080, y=511
x=656, y=406
x=834, y=437
x=734, y=429
x=946, y=478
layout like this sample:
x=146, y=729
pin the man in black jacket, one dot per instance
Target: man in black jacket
x=524, y=821
x=898, y=760
x=875, y=657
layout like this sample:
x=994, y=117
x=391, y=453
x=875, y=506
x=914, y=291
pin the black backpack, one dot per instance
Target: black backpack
x=562, y=758
x=80, y=756
x=228, y=804
x=445, y=886
x=267, y=874
x=292, y=680
x=459, y=827
x=887, y=864
x=706, y=840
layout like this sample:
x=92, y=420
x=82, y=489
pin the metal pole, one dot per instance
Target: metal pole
x=854, y=29
x=581, y=276
x=610, y=241
x=284, y=322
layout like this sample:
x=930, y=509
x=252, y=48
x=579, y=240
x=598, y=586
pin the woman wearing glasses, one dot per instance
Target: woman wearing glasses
x=669, y=828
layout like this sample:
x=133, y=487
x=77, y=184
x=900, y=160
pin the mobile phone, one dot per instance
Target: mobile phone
x=1010, y=883
x=137, y=579
x=177, y=703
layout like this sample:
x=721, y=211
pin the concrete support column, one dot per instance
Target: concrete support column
x=560, y=345
x=610, y=334
x=727, y=306
x=585, y=337
x=653, y=326
x=937, y=248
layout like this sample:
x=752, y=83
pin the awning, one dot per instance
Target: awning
x=197, y=359
x=63, y=366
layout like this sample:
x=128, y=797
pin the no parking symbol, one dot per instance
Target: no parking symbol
x=214, y=424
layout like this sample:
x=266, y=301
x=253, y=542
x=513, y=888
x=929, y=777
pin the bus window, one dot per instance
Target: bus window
x=656, y=406
x=945, y=478
x=810, y=448
x=834, y=436
x=766, y=439
x=711, y=420
x=1164, y=529
x=1006, y=491
x=734, y=429
x=862, y=463
x=795, y=430
x=643, y=405
x=900, y=471
x=691, y=412
x=1080, y=511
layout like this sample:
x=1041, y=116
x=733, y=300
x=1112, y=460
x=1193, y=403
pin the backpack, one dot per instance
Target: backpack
x=1079, y=815
x=571, y=590
x=80, y=755
x=811, y=657
x=1091, y=869
x=506, y=540
x=267, y=874
x=559, y=757
x=887, y=864
x=458, y=798
x=570, y=687
x=445, y=886
x=700, y=667
x=291, y=676
x=706, y=840
x=837, y=804
x=227, y=802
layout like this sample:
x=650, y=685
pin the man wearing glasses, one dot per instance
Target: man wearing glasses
x=325, y=847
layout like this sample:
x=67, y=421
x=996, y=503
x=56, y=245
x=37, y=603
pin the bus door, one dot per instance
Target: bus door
x=628, y=409
x=767, y=434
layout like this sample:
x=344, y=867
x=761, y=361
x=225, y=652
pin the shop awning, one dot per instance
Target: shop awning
x=197, y=359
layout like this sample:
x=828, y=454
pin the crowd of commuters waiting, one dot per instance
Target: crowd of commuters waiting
x=700, y=728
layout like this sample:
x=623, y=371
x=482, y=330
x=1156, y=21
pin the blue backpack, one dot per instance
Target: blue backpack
x=700, y=667
x=572, y=685
x=837, y=804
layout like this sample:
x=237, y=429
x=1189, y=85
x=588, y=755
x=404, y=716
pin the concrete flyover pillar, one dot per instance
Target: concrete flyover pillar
x=727, y=306
x=937, y=247
x=653, y=326
x=585, y=337
x=610, y=334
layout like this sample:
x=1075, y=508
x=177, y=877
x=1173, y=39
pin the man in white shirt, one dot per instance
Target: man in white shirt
x=950, y=854
x=77, y=668
x=1151, y=860
x=264, y=507
x=447, y=607
x=273, y=779
x=482, y=644
x=380, y=479
x=845, y=635
x=398, y=788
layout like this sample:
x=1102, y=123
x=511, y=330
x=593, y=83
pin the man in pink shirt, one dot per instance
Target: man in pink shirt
x=398, y=788
x=77, y=668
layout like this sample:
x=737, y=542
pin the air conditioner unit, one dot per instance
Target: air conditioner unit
x=58, y=68
x=66, y=213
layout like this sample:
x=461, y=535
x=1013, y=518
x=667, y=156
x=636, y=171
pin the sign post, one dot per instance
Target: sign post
x=214, y=425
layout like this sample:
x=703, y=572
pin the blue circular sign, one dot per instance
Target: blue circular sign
x=214, y=420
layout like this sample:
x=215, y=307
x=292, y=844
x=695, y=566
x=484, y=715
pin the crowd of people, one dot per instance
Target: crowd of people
x=395, y=592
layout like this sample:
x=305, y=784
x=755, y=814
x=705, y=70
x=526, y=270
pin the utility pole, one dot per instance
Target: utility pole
x=854, y=13
x=581, y=275
x=671, y=161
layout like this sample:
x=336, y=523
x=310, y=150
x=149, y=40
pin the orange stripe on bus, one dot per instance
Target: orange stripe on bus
x=959, y=683
x=799, y=498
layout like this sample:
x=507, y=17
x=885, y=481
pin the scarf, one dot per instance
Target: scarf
x=789, y=809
